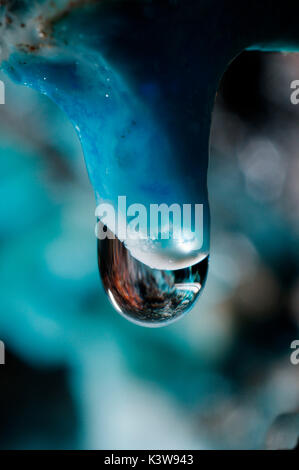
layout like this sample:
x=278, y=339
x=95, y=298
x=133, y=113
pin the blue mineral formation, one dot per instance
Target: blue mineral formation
x=137, y=80
x=133, y=101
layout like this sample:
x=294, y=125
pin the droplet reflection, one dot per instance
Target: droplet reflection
x=148, y=297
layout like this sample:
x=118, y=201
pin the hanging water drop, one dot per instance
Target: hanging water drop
x=146, y=296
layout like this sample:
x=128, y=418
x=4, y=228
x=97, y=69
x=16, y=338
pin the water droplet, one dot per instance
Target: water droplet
x=146, y=296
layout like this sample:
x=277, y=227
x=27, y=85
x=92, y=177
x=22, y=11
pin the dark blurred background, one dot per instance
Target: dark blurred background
x=79, y=376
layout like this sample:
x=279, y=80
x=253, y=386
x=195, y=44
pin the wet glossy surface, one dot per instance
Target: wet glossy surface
x=146, y=296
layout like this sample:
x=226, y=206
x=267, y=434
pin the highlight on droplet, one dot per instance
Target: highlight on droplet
x=153, y=266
